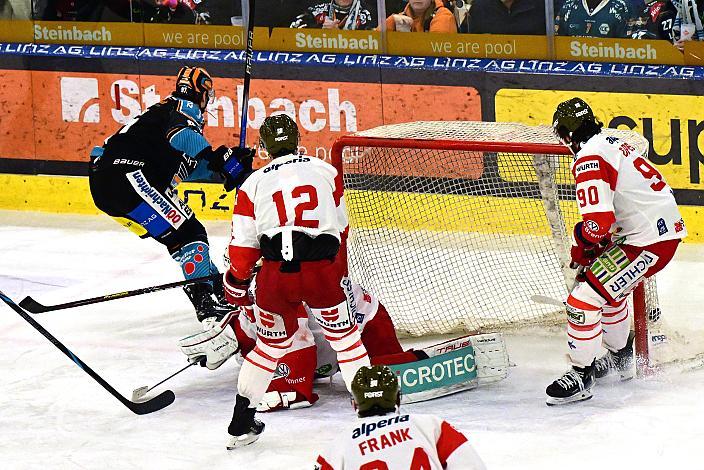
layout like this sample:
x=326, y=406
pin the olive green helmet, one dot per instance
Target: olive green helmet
x=375, y=391
x=279, y=135
x=574, y=121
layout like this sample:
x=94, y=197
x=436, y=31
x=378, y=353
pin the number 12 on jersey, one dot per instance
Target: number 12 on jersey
x=305, y=199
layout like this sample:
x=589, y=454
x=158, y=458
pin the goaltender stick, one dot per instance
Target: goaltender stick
x=630, y=230
x=385, y=438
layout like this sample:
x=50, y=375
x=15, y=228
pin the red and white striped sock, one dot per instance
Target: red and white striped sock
x=258, y=369
x=583, y=331
x=616, y=325
x=351, y=353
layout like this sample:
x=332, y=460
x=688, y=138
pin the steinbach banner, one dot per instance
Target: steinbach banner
x=74, y=111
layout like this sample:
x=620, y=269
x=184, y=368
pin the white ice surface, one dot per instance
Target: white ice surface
x=52, y=415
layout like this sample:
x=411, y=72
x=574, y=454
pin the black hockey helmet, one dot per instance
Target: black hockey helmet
x=279, y=135
x=194, y=84
x=375, y=391
x=574, y=122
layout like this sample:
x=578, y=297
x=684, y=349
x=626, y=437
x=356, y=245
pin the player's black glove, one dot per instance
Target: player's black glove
x=234, y=164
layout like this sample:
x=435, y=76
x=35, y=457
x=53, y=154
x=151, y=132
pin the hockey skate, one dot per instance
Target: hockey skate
x=620, y=362
x=575, y=385
x=201, y=296
x=244, y=428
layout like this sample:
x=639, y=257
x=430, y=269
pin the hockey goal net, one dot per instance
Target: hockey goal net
x=465, y=226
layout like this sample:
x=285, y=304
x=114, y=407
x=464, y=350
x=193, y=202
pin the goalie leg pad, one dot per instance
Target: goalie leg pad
x=440, y=375
x=490, y=354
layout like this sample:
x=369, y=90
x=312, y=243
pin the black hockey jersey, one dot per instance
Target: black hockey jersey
x=166, y=140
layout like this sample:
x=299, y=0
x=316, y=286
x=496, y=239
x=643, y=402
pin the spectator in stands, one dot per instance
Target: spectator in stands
x=667, y=20
x=507, y=17
x=595, y=18
x=275, y=13
x=336, y=14
x=15, y=10
x=423, y=16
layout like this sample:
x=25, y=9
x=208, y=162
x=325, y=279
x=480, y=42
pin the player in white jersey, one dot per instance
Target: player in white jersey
x=630, y=230
x=291, y=213
x=384, y=439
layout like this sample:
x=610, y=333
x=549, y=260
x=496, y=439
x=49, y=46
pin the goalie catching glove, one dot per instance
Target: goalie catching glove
x=217, y=343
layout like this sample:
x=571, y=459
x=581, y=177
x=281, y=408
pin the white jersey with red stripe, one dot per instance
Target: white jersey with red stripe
x=620, y=191
x=401, y=442
x=291, y=193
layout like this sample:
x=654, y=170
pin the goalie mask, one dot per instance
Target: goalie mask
x=574, y=123
x=194, y=84
x=375, y=391
x=279, y=135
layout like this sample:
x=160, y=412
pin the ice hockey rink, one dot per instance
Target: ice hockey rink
x=52, y=415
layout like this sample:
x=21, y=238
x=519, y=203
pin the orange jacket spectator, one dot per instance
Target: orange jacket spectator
x=434, y=18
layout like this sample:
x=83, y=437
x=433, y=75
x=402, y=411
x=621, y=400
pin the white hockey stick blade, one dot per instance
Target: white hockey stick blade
x=138, y=393
x=543, y=299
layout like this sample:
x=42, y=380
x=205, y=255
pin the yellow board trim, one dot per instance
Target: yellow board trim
x=71, y=195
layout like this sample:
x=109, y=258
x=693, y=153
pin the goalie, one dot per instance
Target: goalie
x=311, y=357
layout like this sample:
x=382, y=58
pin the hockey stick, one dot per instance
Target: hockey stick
x=543, y=299
x=32, y=306
x=248, y=58
x=160, y=401
x=138, y=393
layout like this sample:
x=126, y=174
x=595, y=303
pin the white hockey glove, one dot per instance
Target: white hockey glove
x=217, y=343
x=273, y=401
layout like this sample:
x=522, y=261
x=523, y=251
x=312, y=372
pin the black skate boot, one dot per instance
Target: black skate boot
x=575, y=385
x=219, y=290
x=620, y=362
x=201, y=296
x=244, y=428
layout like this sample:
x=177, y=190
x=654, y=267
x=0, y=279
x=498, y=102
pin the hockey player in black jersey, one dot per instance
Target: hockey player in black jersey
x=133, y=176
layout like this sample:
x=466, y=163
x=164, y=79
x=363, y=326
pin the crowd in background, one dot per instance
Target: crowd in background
x=673, y=20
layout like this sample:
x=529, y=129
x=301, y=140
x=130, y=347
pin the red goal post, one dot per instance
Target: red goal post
x=466, y=212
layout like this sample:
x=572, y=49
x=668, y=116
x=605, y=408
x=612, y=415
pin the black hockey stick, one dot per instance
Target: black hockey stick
x=32, y=306
x=160, y=401
x=248, y=58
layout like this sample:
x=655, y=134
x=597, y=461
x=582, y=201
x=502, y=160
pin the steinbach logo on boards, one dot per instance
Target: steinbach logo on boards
x=80, y=102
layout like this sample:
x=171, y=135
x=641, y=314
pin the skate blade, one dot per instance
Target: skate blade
x=615, y=377
x=581, y=396
x=236, y=442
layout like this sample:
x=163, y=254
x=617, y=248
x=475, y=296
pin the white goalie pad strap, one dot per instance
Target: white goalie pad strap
x=217, y=343
x=274, y=401
x=490, y=353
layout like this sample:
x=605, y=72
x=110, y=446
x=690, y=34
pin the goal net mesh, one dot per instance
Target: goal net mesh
x=455, y=233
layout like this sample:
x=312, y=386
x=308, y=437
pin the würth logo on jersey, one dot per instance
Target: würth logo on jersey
x=330, y=315
x=267, y=320
x=80, y=99
x=270, y=325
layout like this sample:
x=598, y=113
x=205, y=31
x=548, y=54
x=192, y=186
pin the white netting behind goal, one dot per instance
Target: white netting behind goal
x=452, y=239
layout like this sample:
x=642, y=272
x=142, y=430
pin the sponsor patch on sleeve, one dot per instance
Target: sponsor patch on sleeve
x=589, y=165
